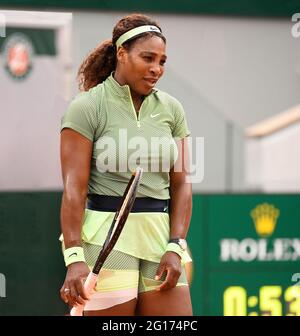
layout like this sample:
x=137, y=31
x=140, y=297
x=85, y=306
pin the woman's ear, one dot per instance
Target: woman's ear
x=121, y=54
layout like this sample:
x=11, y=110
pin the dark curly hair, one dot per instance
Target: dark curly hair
x=99, y=64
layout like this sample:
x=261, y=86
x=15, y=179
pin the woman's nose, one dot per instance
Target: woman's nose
x=155, y=70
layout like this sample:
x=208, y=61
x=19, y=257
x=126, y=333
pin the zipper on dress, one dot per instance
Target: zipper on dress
x=134, y=111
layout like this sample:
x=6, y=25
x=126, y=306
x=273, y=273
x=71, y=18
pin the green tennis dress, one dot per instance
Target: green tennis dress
x=122, y=139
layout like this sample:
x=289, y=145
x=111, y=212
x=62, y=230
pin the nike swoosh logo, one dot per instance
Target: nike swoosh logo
x=154, y=115
x=73, y=254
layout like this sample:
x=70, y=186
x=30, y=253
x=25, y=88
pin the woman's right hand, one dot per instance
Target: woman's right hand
x=72, y=292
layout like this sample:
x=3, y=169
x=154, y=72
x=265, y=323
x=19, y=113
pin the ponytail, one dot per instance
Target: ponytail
x=97, y=66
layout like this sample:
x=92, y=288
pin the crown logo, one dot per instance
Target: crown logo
x=265, y=217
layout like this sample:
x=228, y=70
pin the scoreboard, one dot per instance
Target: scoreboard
x=246, y=255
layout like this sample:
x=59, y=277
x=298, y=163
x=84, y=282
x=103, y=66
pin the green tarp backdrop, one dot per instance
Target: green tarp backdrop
x=266, y=8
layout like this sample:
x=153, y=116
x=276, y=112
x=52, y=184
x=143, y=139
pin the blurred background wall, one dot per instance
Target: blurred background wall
x=228, y=72
x=235, y=68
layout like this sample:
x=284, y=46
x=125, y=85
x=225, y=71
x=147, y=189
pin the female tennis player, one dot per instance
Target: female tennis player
x=118, y=121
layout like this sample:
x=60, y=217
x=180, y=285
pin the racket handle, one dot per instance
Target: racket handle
x=77, y=310
x=88, y=286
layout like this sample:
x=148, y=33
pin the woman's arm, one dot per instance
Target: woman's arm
x=76, y=151
x=180, y=193
x=180, y=214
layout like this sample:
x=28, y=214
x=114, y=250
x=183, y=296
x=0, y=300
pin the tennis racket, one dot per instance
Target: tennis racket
x=112, y=236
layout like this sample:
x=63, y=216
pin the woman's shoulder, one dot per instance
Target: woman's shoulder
x=168, y=99
x=87, y=101
x=84, y=113
x=93, y=95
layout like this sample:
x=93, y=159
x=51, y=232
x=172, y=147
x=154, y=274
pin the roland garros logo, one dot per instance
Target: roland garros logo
x=18, y=55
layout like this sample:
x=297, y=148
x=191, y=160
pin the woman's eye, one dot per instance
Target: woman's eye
x=148, y=58
x=162, y=62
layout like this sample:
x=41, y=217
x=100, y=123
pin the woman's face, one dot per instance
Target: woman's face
x=143, y=65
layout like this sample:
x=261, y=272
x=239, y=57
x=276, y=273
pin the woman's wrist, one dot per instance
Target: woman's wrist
x=173, y=247
x=73, y=254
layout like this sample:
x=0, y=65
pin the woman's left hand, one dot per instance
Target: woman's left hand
x=170, y=263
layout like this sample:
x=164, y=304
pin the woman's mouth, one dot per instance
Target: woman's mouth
x=150, y=81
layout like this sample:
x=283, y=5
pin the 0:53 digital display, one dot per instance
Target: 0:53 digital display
x=271, y=301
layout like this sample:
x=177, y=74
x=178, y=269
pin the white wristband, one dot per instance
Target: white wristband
x=173, y=247
x=73, y=254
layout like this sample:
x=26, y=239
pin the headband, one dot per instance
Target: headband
x=134, y=32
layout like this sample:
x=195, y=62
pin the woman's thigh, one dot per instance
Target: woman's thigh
x=117, y=288
x=175, y=301
x=124, y=309
x=172, y=302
